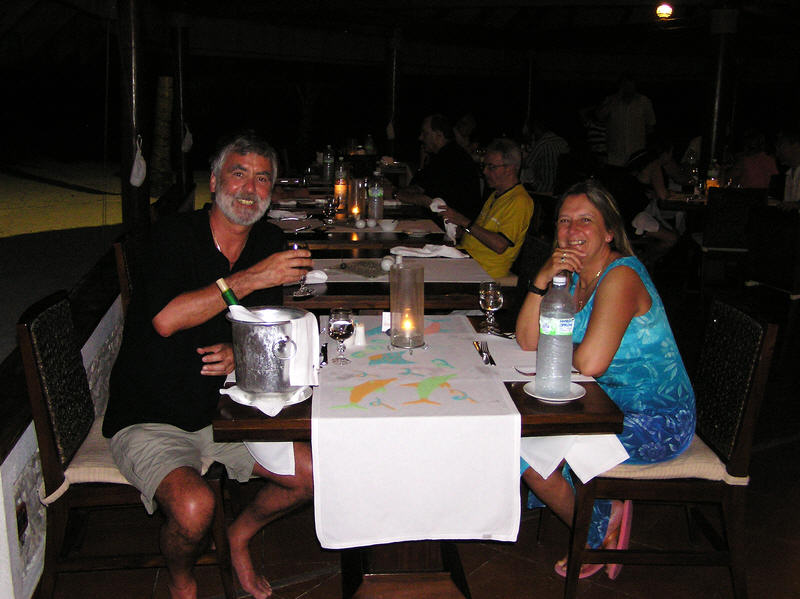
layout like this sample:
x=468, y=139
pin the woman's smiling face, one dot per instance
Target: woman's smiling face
x=581, y=226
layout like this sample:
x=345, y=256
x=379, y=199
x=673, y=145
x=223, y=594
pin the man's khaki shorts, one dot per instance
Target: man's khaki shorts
x=146, y=453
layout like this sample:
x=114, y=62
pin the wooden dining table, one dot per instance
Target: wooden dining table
x=417, y=568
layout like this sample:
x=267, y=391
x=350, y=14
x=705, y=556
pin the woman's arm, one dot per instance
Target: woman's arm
x=620, y=297
x=527, y=328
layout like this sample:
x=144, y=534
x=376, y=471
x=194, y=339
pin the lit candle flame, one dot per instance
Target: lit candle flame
x=407, y=324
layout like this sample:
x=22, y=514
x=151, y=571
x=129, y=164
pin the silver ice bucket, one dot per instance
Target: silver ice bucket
x=264, y=350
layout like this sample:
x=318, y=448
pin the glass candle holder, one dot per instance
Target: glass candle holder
x=407, y=305
x=357, y=199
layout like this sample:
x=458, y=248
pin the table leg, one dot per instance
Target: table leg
x=404, y=571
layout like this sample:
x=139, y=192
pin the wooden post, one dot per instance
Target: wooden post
x=185, y=179
x=723, y=25
x=135, y=200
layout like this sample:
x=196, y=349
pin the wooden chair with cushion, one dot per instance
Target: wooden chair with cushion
x=729, y=386
x=77, y=467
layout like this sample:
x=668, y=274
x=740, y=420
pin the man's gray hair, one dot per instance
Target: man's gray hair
x=245, y=143
x=508, y=149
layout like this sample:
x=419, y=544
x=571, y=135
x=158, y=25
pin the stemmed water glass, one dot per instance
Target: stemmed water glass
x=304, y=290
x=490, y=297
x=340, y=327
x=329, y=210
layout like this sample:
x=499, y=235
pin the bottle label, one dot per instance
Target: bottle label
x=555, y=326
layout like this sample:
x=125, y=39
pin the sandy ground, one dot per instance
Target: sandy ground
x=29, y=206
x=51, y=235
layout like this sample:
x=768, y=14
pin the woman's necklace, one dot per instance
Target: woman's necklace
x=587, y=291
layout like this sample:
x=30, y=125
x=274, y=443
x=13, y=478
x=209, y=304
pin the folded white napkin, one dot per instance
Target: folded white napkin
x=437, y=205
x=269, y=403
x=304, y=367
x=286, y=214
x=316, y=276
x=429, y=251
x=242, y=314
x=587, y=455
x=644, y=222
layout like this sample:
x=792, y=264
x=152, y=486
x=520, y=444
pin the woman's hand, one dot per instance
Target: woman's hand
x=567, y=258
x=217, y=359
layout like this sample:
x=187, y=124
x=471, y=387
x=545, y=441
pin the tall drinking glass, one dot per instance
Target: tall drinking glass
x=340, y=327
x=490, y=297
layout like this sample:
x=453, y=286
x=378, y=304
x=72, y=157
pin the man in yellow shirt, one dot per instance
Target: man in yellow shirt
x=495, y=238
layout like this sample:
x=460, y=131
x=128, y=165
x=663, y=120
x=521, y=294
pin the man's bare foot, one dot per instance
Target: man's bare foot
x=185, y=590
x=253, y=583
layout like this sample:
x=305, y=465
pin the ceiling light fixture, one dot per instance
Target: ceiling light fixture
x=664, y=11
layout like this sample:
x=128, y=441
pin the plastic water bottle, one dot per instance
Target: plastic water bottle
x=327, y=165
x=554, y=354
x=375, y=192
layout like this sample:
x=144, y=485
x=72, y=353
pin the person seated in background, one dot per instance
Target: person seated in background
x=788, y=150
x=495, y=238
x=540, y=168
x=647, y=168
x=176, y=352
x=462, y=131
x=754, y=168
x=449, y=173
x=622, y=338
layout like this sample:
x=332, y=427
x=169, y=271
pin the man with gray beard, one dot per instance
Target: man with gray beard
x=176, y=352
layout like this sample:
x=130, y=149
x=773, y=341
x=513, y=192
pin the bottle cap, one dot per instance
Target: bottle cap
x=559, y=280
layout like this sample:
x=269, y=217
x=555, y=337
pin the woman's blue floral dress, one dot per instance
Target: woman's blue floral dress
x=649, y=383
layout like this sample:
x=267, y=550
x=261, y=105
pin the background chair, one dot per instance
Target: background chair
x=726, y=233
x=729, y=386
x=77, y=467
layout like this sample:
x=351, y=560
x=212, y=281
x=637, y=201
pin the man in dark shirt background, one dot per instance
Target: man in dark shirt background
x=449, y=173
x=176, y=351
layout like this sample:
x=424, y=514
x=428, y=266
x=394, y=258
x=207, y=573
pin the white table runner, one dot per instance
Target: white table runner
x=411, y=445
x=437, y=270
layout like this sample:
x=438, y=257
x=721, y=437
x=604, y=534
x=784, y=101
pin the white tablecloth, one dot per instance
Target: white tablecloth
x=411, y=445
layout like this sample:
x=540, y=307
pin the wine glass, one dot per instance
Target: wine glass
x=340, y=327
x=490, y=296
x=304, y=290
x=329, y=210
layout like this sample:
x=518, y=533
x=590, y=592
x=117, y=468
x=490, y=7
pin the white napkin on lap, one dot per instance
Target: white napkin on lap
x=437, y=205
x=316, y=276
x=587, y=455
x=429, y=251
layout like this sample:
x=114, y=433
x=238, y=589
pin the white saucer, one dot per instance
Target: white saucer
x=576, y=391
x=291, y=397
